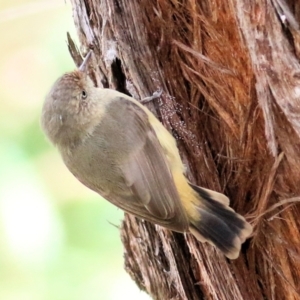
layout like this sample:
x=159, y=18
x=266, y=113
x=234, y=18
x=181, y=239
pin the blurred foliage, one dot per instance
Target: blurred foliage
x=57, y=240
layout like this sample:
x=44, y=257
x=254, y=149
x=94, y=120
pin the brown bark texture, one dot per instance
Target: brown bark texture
x=230, y=76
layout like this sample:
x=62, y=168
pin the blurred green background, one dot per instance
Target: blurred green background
x=56, y=237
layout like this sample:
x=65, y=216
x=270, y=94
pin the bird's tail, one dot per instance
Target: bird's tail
x=215, y=222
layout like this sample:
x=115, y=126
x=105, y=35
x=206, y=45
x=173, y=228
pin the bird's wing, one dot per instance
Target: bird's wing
x=145, y=171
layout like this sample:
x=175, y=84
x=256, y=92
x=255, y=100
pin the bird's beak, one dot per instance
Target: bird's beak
x=84, y=64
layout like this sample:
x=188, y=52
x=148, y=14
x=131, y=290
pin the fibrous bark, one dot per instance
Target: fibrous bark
x=230, y=76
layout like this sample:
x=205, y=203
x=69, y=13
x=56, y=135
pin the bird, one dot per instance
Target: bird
x=116, y=147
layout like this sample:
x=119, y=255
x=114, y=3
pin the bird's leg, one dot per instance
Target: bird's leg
x=155, y=95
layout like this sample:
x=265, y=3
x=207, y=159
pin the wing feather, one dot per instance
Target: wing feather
x=146, y=169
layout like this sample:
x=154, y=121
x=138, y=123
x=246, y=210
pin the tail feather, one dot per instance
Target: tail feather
x=219, y=224
x=206, y=193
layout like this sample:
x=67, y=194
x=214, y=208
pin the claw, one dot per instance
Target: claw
x=155, y=95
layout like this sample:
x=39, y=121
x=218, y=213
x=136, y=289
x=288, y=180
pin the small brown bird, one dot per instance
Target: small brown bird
x=118, y=148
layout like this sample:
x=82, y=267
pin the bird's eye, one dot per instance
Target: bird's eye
x=83, y=94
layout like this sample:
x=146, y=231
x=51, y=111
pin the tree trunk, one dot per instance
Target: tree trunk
x=230, y=77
